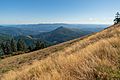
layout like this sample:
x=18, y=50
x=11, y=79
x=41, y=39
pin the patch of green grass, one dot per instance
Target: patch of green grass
x=3, y=70
x=107, y=73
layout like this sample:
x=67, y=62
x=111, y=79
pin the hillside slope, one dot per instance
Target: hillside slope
x=62, y=34
x=94, y=57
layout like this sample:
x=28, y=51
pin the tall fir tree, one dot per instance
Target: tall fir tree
x=21, y=46
x=39, y=45
x=117, y=18
x=3, y=47
x=6, y=47
x=13, y=45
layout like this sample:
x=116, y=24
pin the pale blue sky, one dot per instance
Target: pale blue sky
x=58, y=11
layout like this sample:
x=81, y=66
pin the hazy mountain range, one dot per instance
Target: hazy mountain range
x=37, y=28
x=61, y=34
x=52, y=33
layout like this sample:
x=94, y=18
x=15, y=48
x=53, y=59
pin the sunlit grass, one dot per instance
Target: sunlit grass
x=96, y=57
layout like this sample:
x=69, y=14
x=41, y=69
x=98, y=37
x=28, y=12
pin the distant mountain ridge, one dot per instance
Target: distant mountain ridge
x=14, y=31
x=61, y=34
x=32, y=29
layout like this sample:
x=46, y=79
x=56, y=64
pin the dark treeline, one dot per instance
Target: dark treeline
x=13, y=47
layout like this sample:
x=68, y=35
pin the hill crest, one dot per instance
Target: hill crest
x=61, y=34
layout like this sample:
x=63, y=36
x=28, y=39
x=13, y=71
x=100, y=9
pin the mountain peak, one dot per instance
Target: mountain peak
x=61, y=27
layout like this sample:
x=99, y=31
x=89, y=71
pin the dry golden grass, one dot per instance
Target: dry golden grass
x=96, y=57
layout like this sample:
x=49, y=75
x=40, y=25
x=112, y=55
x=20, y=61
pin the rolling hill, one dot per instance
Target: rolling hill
x=14, y=31
x=93, y=57
x=34, y=29
x=30, y=41
x=50, y=27
x=61, y=34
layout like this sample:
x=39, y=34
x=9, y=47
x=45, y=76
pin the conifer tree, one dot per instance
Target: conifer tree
x=21, y=46
x=3, y=47
x=6, y=47
x=13, y=45
x=39, y=45
x=117, y=18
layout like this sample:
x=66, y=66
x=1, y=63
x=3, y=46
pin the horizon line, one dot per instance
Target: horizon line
x=55, y=23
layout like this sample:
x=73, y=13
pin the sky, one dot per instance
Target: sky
x=58, y=11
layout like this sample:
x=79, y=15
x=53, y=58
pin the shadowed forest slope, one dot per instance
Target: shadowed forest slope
x=94, y=57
